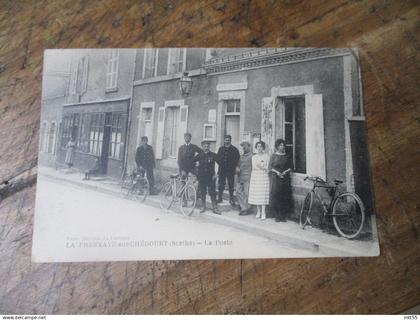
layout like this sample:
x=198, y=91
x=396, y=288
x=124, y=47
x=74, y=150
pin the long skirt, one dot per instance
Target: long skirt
x=70, y=155
x=259, y=188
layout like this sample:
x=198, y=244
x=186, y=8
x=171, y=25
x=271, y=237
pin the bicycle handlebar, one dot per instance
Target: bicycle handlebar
x=314, y=179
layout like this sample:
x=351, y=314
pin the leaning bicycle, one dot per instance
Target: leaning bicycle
x=135, y=185
x=181, y=190
x=345, y=208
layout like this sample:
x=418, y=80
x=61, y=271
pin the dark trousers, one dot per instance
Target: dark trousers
x=222, y=182
x=150, y=178
x=205, y=184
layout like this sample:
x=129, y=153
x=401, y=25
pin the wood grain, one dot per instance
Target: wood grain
x=387, y=35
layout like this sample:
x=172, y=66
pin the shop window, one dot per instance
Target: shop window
x=112, y=70
x=67, y=130
x=116, y=149
x=82, y=140
x=150, y=62
x=176, y=60
x=96, y=133
x=295, y=133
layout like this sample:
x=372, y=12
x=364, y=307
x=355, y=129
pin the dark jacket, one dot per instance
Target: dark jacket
x=228, y=158
x=186, y=154
x=145, y=157
x=206, y=162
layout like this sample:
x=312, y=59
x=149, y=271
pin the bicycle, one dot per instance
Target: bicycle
x=179, y=189
x=346, y=209
x=135, y=185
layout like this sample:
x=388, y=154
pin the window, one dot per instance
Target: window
x=147, y=114
x=96, y=133
x=176, y=60
x=232, y=119
x=116, y=149
x=233, y=106
x=150, y=62
x=294, y=132
x=171, y=131
x=51, y=138
x=112, y=70
x=209, y=132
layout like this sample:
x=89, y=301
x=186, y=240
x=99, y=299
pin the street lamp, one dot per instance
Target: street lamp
x=185, y=84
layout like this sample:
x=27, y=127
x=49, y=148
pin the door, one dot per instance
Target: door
x=105, y=143
x=232, y=127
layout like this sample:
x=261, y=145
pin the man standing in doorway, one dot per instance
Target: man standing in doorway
x=244, y=176
x=145, y=160
x=228, y=157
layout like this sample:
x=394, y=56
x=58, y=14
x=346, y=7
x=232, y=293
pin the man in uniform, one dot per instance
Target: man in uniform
x=206, y=176
x=228, y=157
x=244, y=176
x=145, y=159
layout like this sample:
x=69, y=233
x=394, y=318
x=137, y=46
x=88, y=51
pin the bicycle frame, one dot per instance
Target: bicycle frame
x=184, y=182
x=327, y=209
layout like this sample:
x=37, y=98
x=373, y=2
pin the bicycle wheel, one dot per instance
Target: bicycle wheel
x=166, y=196
x=189, y=199
x=140, y=190
x=126, y=182
x=348, y=215
x=305, y=211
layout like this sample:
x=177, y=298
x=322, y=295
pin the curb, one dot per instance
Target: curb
x=323, y=249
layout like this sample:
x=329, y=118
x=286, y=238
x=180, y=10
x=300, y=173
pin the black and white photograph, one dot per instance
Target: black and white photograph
x=203, y=153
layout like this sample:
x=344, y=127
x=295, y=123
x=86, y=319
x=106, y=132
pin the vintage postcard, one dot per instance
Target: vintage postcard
x=202, y=153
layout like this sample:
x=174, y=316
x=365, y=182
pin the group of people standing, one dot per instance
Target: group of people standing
x=261, y=181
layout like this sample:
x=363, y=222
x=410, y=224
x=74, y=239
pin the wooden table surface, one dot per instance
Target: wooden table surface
x=387, y=35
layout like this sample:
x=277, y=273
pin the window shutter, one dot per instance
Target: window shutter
x=85, y=75
x=268, y=118
x=183, y=121
x=160, y=133
x=315, y=145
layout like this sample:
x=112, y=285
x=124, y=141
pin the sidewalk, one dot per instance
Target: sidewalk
x=310, y=239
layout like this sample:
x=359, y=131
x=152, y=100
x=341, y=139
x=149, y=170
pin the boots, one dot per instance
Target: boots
x=220, y=198
x=232, y=201
x=204, y=208
x=215, y=208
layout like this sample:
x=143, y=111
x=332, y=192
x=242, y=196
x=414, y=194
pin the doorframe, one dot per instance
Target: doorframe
x=106, y=142
x=279, y=93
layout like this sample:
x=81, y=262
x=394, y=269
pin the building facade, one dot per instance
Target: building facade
x=96, y=110
x=54, y=94
x=309, y=97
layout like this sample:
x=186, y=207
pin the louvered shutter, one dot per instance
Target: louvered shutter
x=160, y=133
x=315, y=144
